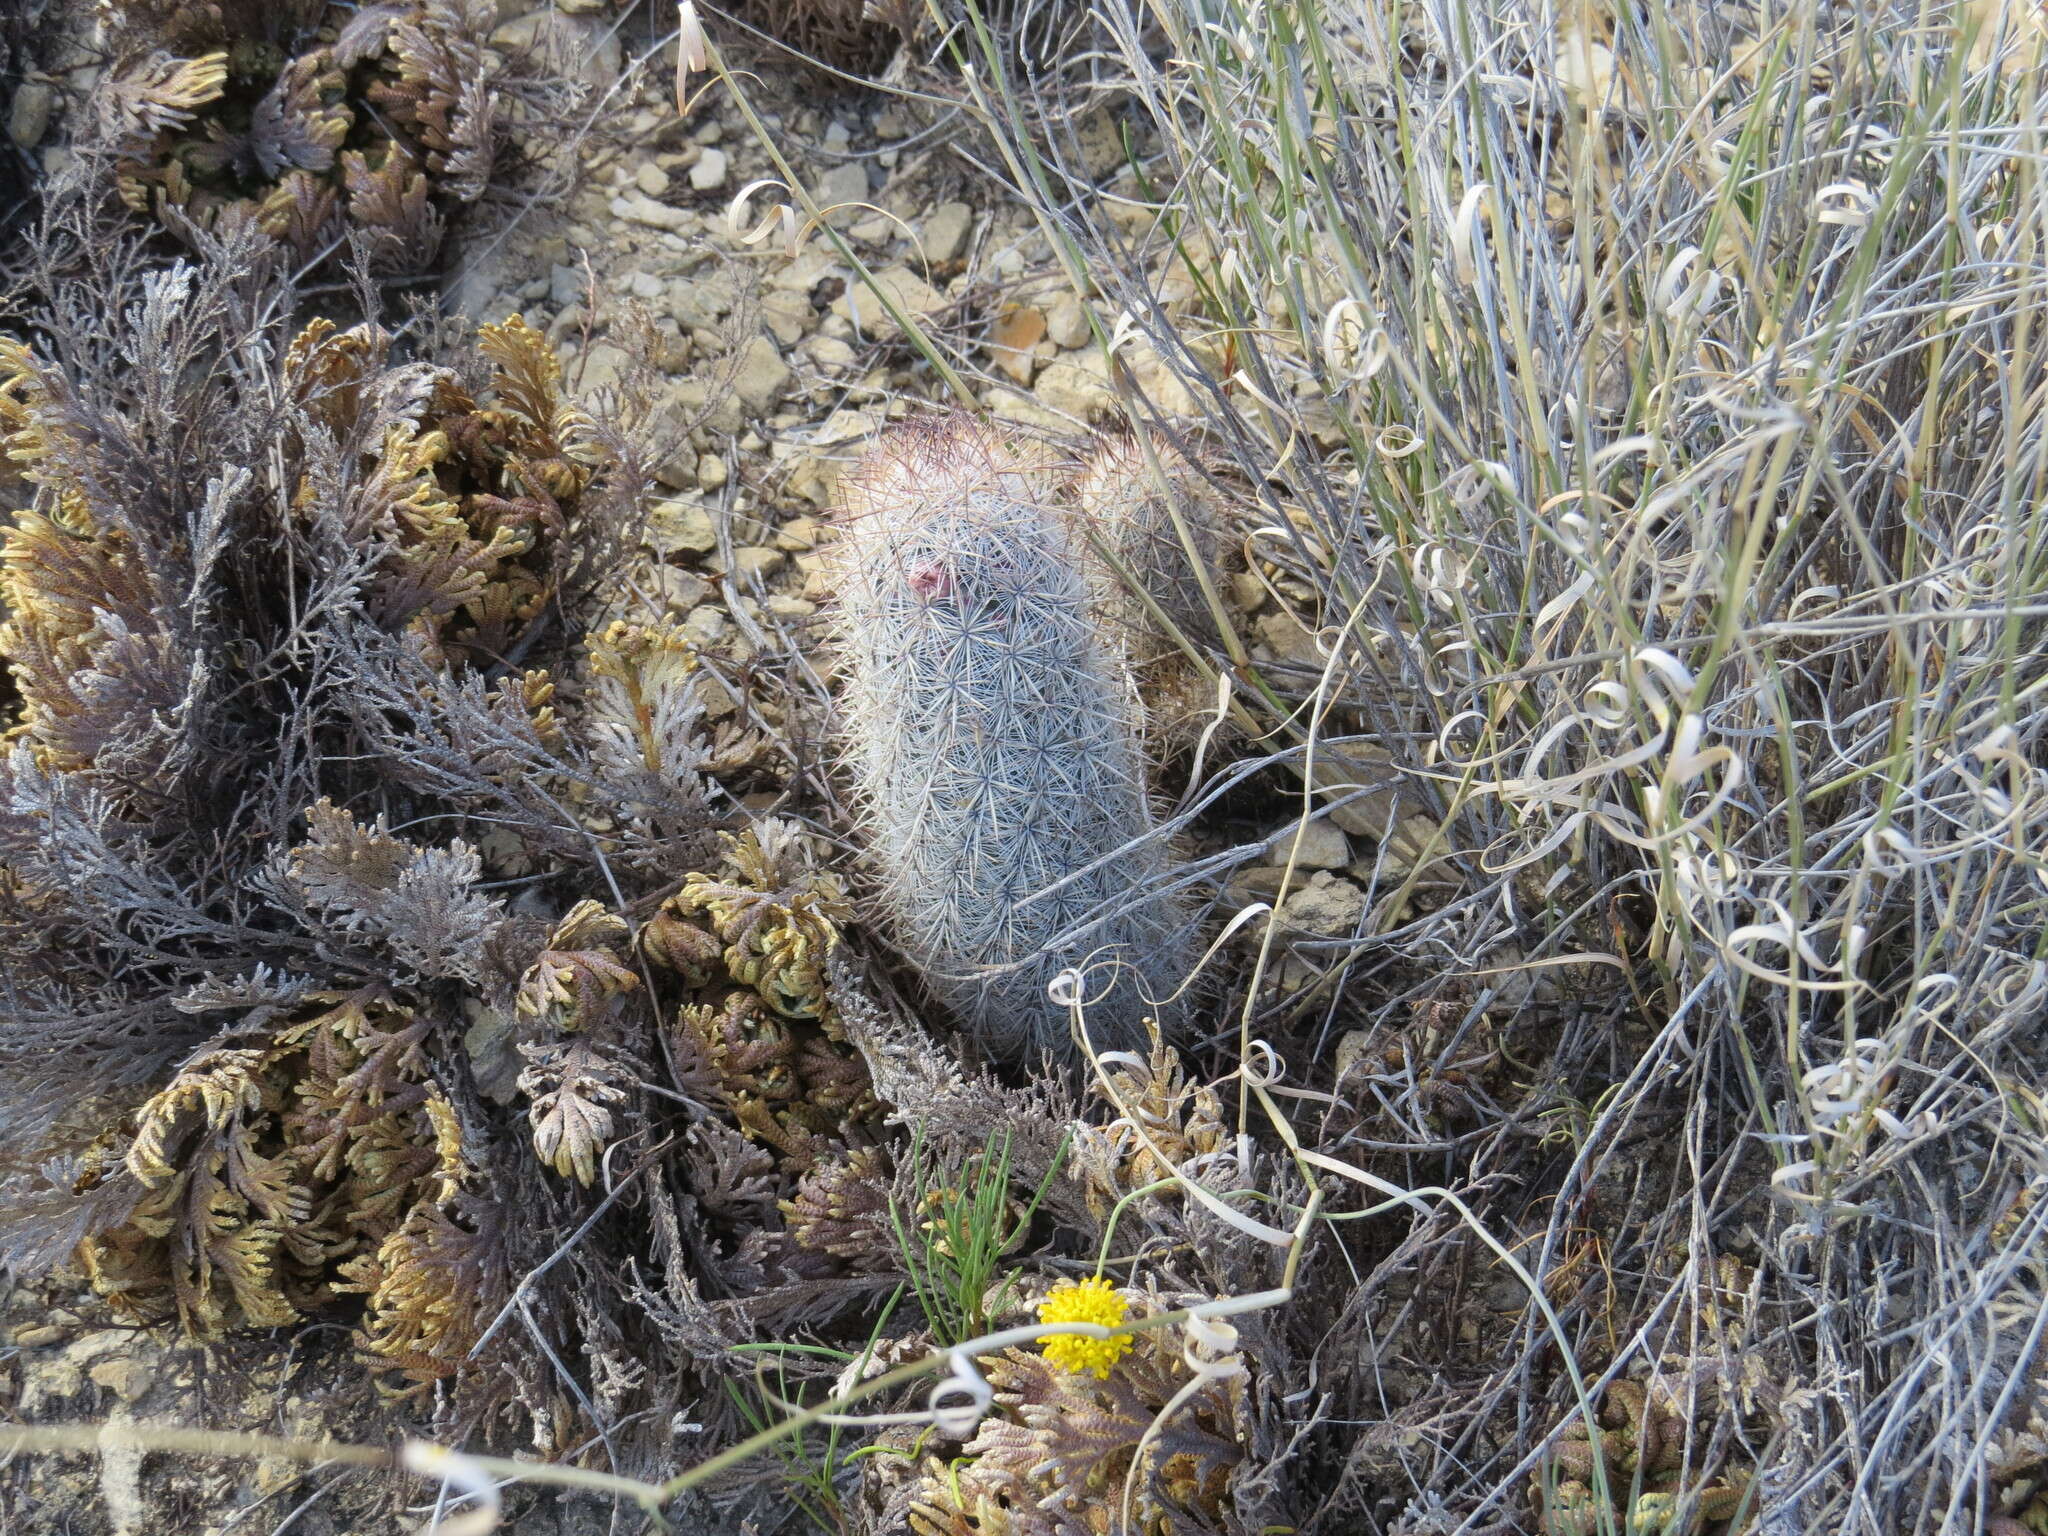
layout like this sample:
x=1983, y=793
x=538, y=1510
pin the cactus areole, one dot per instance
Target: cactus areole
x=994, y=740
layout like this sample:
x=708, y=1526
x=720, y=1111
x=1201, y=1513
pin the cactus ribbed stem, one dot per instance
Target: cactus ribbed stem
x=995, y=743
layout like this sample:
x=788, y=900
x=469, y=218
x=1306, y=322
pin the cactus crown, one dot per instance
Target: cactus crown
x=995, y=742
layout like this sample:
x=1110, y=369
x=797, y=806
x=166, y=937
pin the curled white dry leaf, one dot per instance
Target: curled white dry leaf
x=781, y=215
x=1798, y=944
x=1934, y=997
x=1682, y=292
x=1702, y=878
x=1355, y=342
x=1837, y=1090
x=1465, y=231
x=1622, y=447
x=1397, y=441
x=958, y=1403
x=1566, y=600
x=1606, y=704
x=1209, y=1346
x=1889, y=853
x=693, y=51
x=1661, y=680
x=1848, y=203
x=1439, y=573
x=1574, y=534
x=455, y=1470
x=1065, y=989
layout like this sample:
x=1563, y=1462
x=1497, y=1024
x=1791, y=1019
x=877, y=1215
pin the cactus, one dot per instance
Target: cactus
x=994, y=739
x=1139, y=497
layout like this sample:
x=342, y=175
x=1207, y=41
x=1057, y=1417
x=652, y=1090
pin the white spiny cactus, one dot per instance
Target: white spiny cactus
x=995, y=742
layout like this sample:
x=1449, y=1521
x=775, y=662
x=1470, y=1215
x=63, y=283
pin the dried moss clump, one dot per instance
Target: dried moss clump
x=317, y=120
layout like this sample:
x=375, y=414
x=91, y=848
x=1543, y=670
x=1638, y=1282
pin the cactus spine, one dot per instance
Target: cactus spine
x=995, y=742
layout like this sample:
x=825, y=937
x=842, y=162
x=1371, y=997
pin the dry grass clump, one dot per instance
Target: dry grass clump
x=1655, y=402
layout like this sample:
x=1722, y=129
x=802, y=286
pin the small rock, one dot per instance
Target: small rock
x=1008, y=405
x=791, y=608
x=1367, y=774
x=711, y=472
x=681, y=528
x=716, y=698
x=1247, y=591
x=1102, y=144
x=678, y=472
x=651, y=179
x=488, y=1041
x=1080, y=390
x=812, y=479
x=757, y=564
x=705, y=625
x=29, y=118
x=945, y=232
x=35, y=1335
x=599, y=368
x=1282, y=637
x=127, y=1379
x=675, y=591
x=799, y=533
x=1402, y=849
x=816, y=570
x=1323, y=846
x=839, y=192
x=639, y=208
x=761, y=374
x=708, y=174
x=1016, y=331
x=689, y=403
x=1353, y=1053
x=585, y=48
x=830, y=354
x=910, y=293
x=695, y=302
x=845, y=426
x=1508, y=1295
x=1326, y=906
x=806, y=272
x=1161, y=385
x=1262, y=882
x=788, y=315
x=1066, y=322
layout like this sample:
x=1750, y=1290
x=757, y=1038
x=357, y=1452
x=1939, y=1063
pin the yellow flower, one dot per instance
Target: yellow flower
x=1085, y=1301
